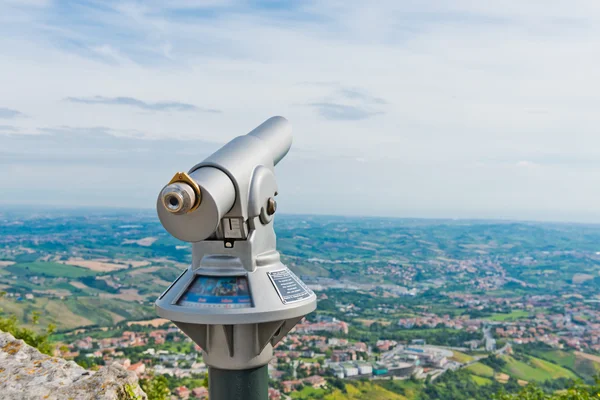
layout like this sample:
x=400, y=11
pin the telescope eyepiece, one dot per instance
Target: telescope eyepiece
x=178, y=198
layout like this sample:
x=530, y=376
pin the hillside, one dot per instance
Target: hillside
x=472, y=286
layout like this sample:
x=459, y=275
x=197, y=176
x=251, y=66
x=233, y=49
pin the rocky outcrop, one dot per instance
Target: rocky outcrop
x=25, y=373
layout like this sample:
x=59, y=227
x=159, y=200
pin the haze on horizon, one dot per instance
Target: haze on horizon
x=406, y=109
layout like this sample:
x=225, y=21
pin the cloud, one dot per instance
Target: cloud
x=526, y=164
x=99, y=148
x=8, y=113
x=421, y=90
x=357, y=94
x=342, y=112
x=147, y=106
x=343, y=103
x=8, y=128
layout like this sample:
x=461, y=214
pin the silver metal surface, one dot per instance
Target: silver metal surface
x=218, y=196
x=232, y=235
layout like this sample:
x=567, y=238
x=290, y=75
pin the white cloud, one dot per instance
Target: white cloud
x=526, y=164
x=445, y=86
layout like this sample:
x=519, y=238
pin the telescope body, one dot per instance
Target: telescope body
x=236, y=299
x=224, y=181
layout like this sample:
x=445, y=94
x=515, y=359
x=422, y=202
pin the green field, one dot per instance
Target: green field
x=307, y=392
x=73, y=312
x=586, y=368
x=535, y=370
x=364, y=391
x=480, y=380
x=461, y=357
x=49, y=269
x=480, y=369
x=512, y=316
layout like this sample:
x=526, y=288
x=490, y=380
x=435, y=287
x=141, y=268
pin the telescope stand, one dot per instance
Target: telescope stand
x=236, y=300
x=245, y=384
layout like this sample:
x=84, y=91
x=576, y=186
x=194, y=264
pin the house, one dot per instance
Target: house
x=138, y=368
x=182, y=392
x=315, y=381
x=288, y=386
x=308, y=353
x=274, y=394
x=200, y=392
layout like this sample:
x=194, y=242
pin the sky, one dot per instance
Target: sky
x=452, y=109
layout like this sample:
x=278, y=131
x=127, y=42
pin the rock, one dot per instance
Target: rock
x=25, y=373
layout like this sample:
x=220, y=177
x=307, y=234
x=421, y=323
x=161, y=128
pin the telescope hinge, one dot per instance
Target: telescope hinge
x=234, y=228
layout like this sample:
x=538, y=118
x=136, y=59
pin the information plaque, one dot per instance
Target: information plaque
x=289, y=287
x=217, y=291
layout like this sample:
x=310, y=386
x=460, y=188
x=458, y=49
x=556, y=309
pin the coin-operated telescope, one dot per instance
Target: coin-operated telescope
x=236, y=300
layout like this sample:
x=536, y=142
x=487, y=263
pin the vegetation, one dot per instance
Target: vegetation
x=535, y=369
x=156, y=387
x=49, y=269
x=363, y=391
x=576, y=392
x=481, y=370
x=40, y=341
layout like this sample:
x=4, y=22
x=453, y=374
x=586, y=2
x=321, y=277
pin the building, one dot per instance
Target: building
x=200, y=392
x=401, y=369
x=379, y=370
x=364, y=368
x=274, y=394
x=330, y=326
x=138, y=368
x=343, y=355
x=182, y=392
x=337, y=370
x=288, y=386
x=350, y=369
x=315, y=381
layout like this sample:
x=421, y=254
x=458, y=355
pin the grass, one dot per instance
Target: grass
x=73, y=311
x=586, y=368
x=49, y=269
x=364, y=391
x=563, y=358
x=309, y=360
x=307, y=392
x=51, y=312
x=481, y=381
x=408, y=388
x=536, y=370
x=481, y=370
x=461, y=357
x=512, y=316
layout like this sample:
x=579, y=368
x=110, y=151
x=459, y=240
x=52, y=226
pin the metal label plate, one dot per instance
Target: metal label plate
x=289, y=287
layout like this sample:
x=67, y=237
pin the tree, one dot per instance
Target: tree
x=40, y=341
x=578, y=391
x=156, y=387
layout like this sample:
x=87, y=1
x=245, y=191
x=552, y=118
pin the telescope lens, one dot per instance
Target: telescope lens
x=178, y=198
x=174, y=203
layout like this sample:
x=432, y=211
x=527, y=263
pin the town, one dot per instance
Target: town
x=403, y=306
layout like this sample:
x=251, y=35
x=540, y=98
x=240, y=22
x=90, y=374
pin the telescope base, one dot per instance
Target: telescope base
x=245, y=384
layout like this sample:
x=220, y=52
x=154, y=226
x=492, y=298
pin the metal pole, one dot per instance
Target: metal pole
x=245, y=384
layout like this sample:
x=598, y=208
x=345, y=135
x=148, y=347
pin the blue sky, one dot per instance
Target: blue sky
x=399, y=108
